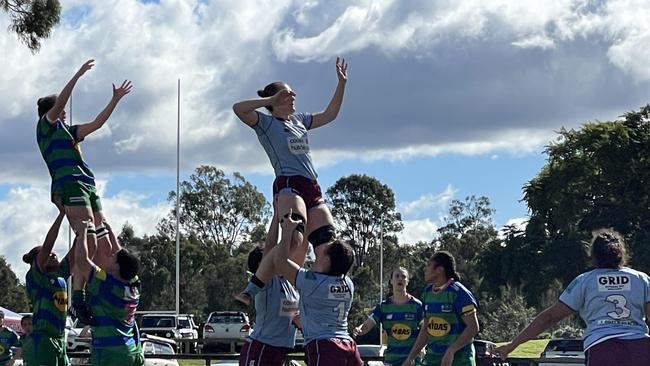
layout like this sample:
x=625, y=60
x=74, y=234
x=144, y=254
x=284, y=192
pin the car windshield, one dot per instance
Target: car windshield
x=226, y=318
x=157, y=322
x=184, y=323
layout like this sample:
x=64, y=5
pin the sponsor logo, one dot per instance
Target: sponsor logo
x=401, y=332
x=409, y=316
x=298, y=145
x=389, y=316
x=288, y=308
x=339, y=291
x=60, y=299
x=607, y=283
x=438, y=327
x=446, y=308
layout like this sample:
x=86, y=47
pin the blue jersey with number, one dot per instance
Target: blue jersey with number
x=611, y=302
x=325, y=302
x=286, y=143
x=275, y=307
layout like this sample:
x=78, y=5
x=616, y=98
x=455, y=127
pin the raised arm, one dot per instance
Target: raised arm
x=50, y=239
x=332, y=110
x=272, y=236
x=83, y=264
x=245, y=110
x=64, y=95
x=543, y=321
x=281, y=253
x=88, y=128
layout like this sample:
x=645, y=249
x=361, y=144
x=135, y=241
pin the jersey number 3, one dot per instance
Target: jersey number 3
x=619, y=302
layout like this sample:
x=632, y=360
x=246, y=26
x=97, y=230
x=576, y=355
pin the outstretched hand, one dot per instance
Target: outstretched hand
x=86, y=66
x=123, y=90
x=356, y=331
x=287, y=222
x=505, y=350
x=341, y=69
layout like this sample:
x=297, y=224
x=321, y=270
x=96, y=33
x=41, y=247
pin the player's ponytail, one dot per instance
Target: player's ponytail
x=270, y=91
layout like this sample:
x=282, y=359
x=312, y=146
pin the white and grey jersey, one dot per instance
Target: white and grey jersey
x=286, y=143
x=611, y=302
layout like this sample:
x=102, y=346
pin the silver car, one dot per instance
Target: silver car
x=226, y=327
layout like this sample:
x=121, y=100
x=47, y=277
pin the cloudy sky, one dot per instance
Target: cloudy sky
x=445, y=98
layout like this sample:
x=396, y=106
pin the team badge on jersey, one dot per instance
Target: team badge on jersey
x=60, y=299
x=438, y=327
x=400, y=331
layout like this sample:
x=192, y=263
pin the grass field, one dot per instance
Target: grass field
x=530, y=349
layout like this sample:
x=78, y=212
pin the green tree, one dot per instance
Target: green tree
x=218, y=210
x=502, y=318
x=32, y=20
x=14, y=295
x=362, y=206
x=596, y=176
x=467, y=232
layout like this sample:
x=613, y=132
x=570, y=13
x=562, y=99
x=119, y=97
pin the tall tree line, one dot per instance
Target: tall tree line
x=595, y=176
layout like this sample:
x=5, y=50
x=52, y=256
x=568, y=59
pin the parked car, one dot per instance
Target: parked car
x=78, y=337
x=226, y=327
x=371, y=350
x=486, y=354
x=151, y=346
x=161, y=325
x=564, y=348
x=170, y=326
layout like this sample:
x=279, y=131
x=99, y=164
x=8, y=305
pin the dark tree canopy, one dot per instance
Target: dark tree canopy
x=32, y=20
x=362, y=207
x=14, y=295
x=595, y=177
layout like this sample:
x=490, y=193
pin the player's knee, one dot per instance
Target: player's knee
x=322, y=235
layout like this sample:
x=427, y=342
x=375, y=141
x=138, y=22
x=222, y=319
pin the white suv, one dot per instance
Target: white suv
x=226, y=327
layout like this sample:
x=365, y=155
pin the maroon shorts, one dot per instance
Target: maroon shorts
x=255, y=353
x=619, y=352
x=333, y=351
x=307, y=189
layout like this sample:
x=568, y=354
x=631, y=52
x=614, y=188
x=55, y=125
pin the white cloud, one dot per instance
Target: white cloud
x=428, y=202
x=417, y=230
x=536, y=41
x=434, y=59
x=26, y=215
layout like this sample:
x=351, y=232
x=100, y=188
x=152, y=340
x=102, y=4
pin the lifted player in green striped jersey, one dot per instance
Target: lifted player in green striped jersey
x=400, y=315
x=48, y=292
x=113, y=290
x=73, y=183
